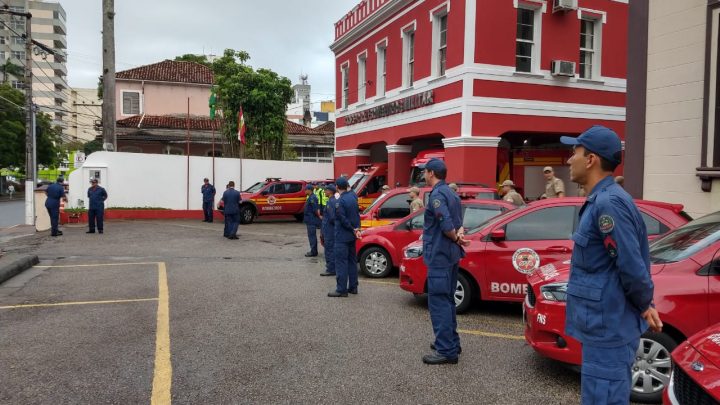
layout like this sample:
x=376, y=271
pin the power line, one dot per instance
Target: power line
x=18, y=106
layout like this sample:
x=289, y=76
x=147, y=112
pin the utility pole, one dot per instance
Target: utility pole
x=30, y=167
x=108, y=107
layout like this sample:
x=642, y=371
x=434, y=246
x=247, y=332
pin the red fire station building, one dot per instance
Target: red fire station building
x=494, y=83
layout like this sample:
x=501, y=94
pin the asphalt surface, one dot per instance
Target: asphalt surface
x=249, y=322
x=12, y=212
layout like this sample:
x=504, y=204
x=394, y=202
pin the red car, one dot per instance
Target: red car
x=695, y=377
x=381, y=247
x=394, y=205
x=507, y=248
x=686, y=271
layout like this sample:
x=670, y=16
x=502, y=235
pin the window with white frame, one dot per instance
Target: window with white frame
x=439, y=43
x=18, y=84
x=590, y=41
x=381, y=69
x=131, y=102
x=362, y=80
x=345, y=73
x=3, y=40
x=525, y=40
x=19, y=55
x=409, y=57
x=18, y=24
x=17, y=40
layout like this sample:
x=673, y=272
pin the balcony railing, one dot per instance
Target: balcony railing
x=357, y=15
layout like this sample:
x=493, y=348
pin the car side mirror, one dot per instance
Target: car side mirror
x=497, y=235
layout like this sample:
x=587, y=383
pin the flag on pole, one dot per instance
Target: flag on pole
x=241, y=127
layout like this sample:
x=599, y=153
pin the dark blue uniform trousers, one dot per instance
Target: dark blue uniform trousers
x=606, y=374
x=442, y=282
x=232, y=221
x=329, y=253
x=95, y=216
x=208, y=210
x=54, y=217
x=345, y=266
x=312, y=238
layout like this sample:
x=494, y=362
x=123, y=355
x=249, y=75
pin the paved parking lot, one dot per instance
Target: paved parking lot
x=170, y=310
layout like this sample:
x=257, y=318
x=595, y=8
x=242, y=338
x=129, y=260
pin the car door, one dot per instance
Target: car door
x=535, y=238
x=269, y=200
x=293, y=198
x=406, y=232
x=392, y=209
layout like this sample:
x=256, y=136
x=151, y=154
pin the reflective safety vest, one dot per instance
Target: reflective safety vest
x=322, y=198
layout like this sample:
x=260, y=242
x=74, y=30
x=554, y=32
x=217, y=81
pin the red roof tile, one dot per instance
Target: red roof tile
x=169, y=122
x=293, y=128
x=170, y=71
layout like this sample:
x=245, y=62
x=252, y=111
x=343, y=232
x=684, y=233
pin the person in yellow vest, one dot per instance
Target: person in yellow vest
x=510, y=195
x=320, y=194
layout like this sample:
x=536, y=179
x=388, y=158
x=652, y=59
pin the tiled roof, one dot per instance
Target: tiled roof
x=293, y=128
x=328, y=127
x=169, y=122
x=170, y=71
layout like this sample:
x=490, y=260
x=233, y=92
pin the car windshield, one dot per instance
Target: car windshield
x=417, y=177
x=377, y=201
x=687, y=240
x=352, y=181
x=359, y=183
x=255, y=187
x=492, y=221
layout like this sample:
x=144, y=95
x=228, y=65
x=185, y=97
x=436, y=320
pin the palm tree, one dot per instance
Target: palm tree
x=11, y=69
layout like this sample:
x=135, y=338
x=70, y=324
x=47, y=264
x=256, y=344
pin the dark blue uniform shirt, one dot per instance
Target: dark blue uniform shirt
x=97, y=197
x=610, y=284
x=312, y=206
x=442, y=214
x=231, y=201
x=347, y=217
x=328, y=220
x=54, y=193
x=208, y=192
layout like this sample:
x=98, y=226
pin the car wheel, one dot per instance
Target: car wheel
x=299, y=217
x=247, y=214
x=375, y=262
x=652, y=367
x=463, y=294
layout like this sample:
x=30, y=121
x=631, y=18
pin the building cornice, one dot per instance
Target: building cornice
x=472, y=142
x=380, y=15
x=398, y=148
x=352, y=153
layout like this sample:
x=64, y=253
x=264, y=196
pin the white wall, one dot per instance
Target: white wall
x=149, y=180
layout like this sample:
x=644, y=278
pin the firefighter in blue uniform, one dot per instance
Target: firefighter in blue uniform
x=312, y=218
x=328, y=230
x=208, y=193
x=610, y=291
x=96, y=210
x=347, y=232
x=55, y=192
x=442, y=250
x=231, y=209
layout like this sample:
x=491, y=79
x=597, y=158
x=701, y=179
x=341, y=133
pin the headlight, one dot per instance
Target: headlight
x=554, y=292
x=413, y=252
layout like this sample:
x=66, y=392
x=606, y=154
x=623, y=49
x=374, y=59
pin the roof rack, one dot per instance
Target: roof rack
x=472, y=184
x=270, y=179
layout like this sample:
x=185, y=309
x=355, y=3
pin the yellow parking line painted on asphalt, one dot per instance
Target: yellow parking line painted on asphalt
x=162, y=377
x=380, y=282
x=61, y=304
x=93, y=265
x=491, y=334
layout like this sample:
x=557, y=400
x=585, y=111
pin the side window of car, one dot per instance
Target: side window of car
x=375, y=184
x=654, y=227
x=474, y=216
x=395, y=207
x=291, y=188
x=555, y=223
x=417, y=222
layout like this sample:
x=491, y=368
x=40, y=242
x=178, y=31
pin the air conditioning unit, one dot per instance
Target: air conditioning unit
x=562, y=68
x=564, y=5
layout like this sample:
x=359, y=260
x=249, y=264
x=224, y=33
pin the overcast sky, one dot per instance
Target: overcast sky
x=287, y=36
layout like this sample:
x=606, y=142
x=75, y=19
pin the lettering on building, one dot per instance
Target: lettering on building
x=396, y=107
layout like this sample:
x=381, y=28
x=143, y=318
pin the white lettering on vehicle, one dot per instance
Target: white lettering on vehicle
x=541, y=319
x=548, y=271
x=272, y=208
x=508, y=288
x=715, y=338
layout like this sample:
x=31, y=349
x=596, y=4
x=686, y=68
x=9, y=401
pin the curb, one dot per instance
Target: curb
x=12, y=265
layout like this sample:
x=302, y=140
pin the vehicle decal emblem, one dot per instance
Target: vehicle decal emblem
x=271, y=200
x=606, y=223
x=525, y=260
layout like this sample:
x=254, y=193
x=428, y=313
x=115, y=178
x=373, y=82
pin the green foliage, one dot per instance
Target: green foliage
x=188, y=57
x=75, y=211
x=92, y=146
x=135, y=208
x=11, y=69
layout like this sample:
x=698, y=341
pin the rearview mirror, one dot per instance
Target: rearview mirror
x=497, y=235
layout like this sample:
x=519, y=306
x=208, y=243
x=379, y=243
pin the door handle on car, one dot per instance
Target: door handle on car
x=560, y=249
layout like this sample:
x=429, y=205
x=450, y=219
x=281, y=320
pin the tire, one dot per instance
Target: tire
x=299, y=217
x=464, y=294
x=652, y=367
x=375, y=262
x=247, y=214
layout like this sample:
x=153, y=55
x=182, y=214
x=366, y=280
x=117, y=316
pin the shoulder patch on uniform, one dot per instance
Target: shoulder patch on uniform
x=436, y=203
x=606, y=223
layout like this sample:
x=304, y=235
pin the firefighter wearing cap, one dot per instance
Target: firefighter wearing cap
x=55, y=192
x=96, y=210
x=312, y=218
x=510, y=195
x=328, y=230
x=442, y=250
x=231, y=211
x=554, y=187
x=610, y=291
x=208, y=193
x=347, y=232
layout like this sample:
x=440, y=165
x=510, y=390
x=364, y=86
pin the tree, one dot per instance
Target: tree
x=92, y=146
x=11, y=69
x=188, y=57
x=263, y=95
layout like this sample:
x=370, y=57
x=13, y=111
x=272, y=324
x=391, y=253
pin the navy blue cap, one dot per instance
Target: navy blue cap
x=598, y=139
x=342, y=182
x=331, y=187
x=434, y=164
x=309, y=187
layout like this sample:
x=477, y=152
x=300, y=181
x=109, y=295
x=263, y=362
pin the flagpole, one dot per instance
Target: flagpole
x=187, y=143
x=212, y=124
